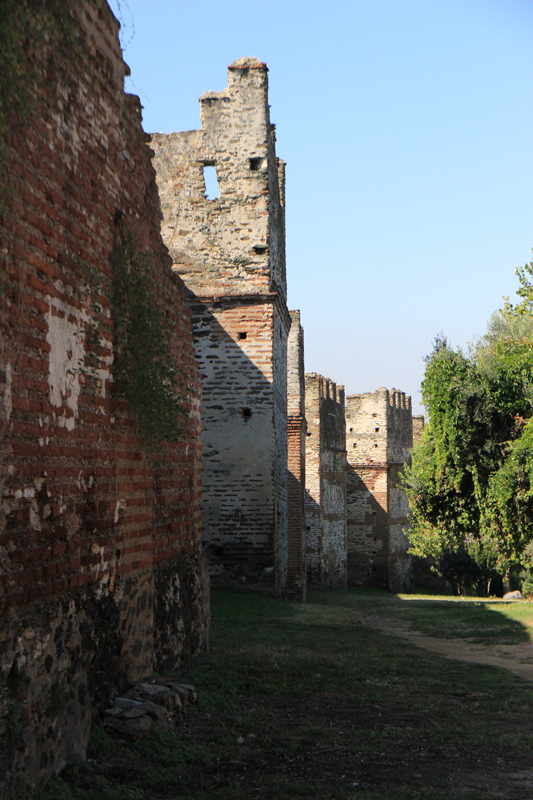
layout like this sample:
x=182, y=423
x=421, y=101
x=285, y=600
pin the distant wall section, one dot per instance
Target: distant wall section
x=379, y=433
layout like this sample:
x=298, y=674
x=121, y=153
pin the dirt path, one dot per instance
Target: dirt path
x=517, y=658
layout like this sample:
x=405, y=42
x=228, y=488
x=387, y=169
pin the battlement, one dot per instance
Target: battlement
x=379, y=438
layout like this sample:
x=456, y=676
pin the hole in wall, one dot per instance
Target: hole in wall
x=260, y=249
x=212, y=189
x=377, y=429
x=247, y=413
x=242, y=335
x=375, y=445
x=255, y=164
x=355, y=444
x=351, y=429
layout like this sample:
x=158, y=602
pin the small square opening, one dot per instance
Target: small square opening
x=247, y=413
x=255, y=164
x=242, y=335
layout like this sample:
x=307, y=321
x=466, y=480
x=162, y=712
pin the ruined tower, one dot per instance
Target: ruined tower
x=230, y=252
x=379, y=437
x=325, y=480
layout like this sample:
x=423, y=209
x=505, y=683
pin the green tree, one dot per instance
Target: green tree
x=470, y=486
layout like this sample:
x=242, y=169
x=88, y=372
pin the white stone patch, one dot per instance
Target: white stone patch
x=67, y=353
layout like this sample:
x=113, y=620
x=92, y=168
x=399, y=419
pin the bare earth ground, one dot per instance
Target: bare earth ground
x=517, y=658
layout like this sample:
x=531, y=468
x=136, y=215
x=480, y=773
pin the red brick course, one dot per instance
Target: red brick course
x=100, y=541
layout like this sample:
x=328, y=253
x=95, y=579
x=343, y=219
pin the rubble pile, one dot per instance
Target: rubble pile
x=154, y=703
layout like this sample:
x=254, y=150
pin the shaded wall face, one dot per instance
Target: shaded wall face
x=238, y=498
x=101, y=546
x=325, y=484
x=399, y=450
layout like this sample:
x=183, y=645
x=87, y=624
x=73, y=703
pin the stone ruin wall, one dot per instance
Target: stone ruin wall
x=296, y=436
x=230, y=251
x=325, y=479
x=101, y=577
x=418, y=428
x=378, y=442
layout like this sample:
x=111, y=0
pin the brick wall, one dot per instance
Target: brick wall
x=325, y=480
x=378, y=442
x=296, y=436
x=230, y=251
x=101, y=577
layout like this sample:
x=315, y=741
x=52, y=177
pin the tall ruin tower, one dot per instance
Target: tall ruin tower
x=230, y=252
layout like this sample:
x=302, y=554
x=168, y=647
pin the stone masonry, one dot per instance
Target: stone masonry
x=296, y=436
x=325, y=480
x=418, y=428
x=379, y=437
x=101, y=577
x=230, y=252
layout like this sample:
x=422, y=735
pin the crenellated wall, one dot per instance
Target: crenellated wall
x=325, y=480
x=379, y=437
x=230, y=251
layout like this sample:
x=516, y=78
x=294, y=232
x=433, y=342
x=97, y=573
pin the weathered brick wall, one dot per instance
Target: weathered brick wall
x=378, y=442
x=325, y=479
x=230, y=252
x=296, y=435
x=101, y=578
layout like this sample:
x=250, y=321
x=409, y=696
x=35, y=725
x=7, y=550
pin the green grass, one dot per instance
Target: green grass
x=328, y=708
x=483, y=621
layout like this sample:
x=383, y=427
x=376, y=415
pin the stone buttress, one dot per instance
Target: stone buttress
x=296, y=436
x=230, y=252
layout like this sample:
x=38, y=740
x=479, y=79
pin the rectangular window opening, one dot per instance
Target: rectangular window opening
x=247, y=413
x=260, y=249
x=212, y=189
x=255, y=164
x=242, y=334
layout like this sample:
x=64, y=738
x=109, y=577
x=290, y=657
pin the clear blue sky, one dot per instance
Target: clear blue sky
x=407, y=128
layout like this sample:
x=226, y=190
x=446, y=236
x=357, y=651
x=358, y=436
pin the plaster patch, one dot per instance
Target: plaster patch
x=67, y=352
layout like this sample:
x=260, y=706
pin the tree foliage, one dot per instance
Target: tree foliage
x=470, y=486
